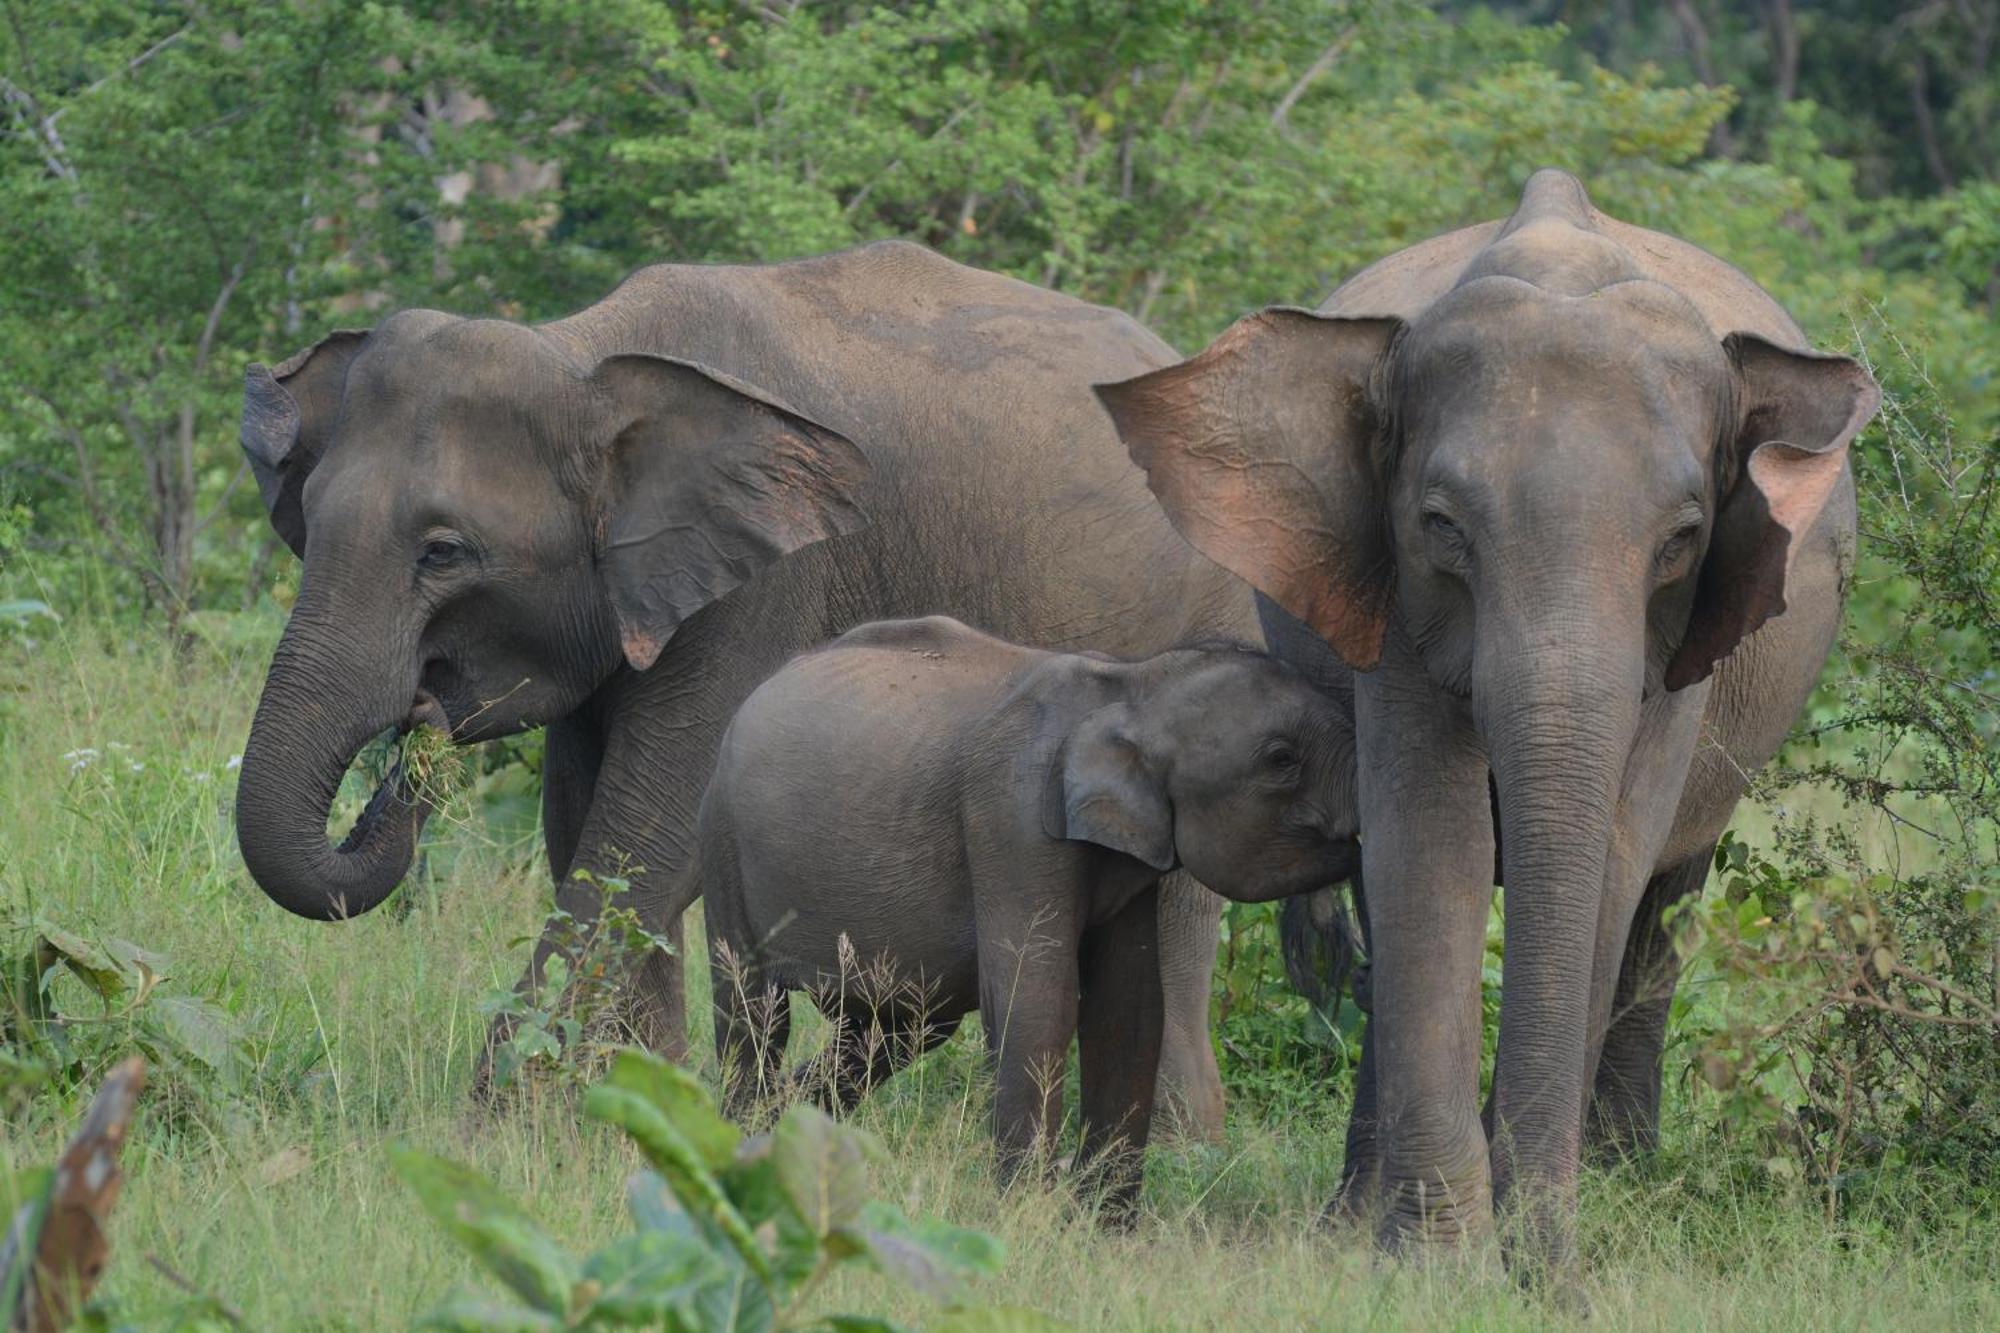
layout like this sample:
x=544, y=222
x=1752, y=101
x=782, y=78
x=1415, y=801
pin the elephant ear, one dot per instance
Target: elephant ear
x=1797, y=414
x=289, y=411
x=1260, y=451
x=1102, y=790
x=708, y=481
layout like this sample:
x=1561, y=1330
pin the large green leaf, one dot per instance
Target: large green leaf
x=680, y=1097
x=654, y=1278
x=681, y=1164
x=202, y=1030
x=752, y=1184
x=929, y=1255
x=822, y=1168
x=492, y=1227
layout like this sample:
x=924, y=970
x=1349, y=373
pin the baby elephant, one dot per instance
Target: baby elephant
x=918, y=820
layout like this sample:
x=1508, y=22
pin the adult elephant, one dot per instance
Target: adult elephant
x=1574, y=496
x=618, y=523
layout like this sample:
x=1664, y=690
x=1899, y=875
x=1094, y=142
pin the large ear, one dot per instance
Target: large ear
x=288, y=414
x=1260, y=451
x=1102, y=790
x=708, y=481
x=1797, y=413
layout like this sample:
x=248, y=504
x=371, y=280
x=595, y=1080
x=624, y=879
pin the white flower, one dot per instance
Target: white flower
x=235, y=762
x=79, y=760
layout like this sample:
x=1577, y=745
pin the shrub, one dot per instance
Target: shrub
x=732, y=1233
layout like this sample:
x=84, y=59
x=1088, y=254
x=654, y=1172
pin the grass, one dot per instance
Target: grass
x=280, y=1199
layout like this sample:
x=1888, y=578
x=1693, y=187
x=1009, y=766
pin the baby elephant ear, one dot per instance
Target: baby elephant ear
x=1799, y=412
x=708, y=481
x=1103, y=791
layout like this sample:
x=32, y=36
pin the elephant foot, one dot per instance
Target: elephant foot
x=1357, y=1201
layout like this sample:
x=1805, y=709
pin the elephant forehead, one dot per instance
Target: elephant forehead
x=1501, y=360
x=474, y=379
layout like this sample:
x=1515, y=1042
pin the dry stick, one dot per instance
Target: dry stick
x=74, y=1245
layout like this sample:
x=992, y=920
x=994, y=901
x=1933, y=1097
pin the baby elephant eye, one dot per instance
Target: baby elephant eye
x=1281, y=758
x=440, y=552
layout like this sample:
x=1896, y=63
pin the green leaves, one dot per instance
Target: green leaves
x=733, y=1234
x=485, y=1222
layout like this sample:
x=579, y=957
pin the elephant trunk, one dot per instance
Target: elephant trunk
x=1559, y=734
x=321, y=703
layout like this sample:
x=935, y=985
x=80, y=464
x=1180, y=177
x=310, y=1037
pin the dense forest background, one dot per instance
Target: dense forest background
x=187, y=186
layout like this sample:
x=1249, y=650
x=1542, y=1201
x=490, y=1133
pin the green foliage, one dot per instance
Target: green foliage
x=1846, y=983
x=563, y=1029
x=195, y=1048
x=732, y=1234
x=188, y=189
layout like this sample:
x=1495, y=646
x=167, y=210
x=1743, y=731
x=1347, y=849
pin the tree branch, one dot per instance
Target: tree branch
x=1326, y=61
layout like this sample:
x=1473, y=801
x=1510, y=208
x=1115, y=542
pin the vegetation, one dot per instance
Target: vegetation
x=185, y=188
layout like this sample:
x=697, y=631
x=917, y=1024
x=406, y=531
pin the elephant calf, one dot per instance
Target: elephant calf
x=919, y=820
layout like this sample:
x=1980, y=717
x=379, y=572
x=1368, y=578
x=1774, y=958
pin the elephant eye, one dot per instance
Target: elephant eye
x=1674, y=551
x=1441, y=525
x=1281, y=758
x=440, y=553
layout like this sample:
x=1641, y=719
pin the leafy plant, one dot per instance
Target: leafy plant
x=731, y=1233
x=565, y=1027
x=1846, y=997
x=196, y=1046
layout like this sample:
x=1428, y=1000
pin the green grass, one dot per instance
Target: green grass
x=280, y=1200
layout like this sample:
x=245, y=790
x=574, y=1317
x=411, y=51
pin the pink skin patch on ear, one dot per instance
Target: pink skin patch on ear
x=1795, y=484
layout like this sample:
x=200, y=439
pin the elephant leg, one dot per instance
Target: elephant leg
x=1028, y=1006
x=1426, y=825
x=572, y=750
x=1355, y=1200
x=753, y=1024
x=1188, y=1099
x=1624, y=1115
x=1119, y=1036
x=867, y=1048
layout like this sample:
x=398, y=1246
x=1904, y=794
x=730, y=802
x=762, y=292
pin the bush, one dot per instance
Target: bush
x=1845, y=995
x=732, y=1234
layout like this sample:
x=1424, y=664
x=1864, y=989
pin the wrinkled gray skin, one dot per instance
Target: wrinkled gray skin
x=920, y=820
x=1575, y=498
x=616, y=524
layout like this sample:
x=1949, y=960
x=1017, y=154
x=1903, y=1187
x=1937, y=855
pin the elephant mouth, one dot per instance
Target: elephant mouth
x=425, y=711
x=400, y=795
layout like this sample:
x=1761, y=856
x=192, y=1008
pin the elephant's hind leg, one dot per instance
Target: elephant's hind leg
x=867, y=1047
x=753, y=1023
x=1624, y=1117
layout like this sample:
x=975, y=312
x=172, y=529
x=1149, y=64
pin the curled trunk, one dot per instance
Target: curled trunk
x=320, y=706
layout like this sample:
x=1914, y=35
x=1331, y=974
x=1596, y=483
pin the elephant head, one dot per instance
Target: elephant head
x=1563, y=493
x=490, y=523
x=1231, y=765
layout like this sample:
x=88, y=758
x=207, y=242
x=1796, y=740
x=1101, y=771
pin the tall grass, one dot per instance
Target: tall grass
x=277, y=1195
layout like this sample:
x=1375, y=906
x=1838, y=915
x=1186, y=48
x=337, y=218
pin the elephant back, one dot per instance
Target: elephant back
x=1406, y=283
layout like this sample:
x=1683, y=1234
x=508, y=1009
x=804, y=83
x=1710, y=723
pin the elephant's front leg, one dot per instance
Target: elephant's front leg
x=1028, y=992
x=1188, y=1100
x=1118, y=1049
x=656, y=1003
x=1624, y=1116
x=1427, y=825
x=1636, y=966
